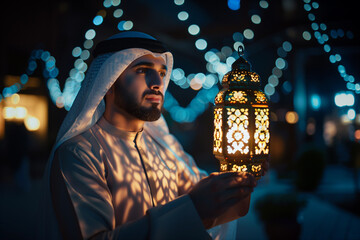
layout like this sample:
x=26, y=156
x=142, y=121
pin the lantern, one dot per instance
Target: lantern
x=241, y=121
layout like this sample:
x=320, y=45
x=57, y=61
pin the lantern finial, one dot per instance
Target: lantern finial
x=240, y=51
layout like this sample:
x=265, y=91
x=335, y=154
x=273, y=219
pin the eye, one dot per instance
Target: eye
x=141, y=70
x=162, y=74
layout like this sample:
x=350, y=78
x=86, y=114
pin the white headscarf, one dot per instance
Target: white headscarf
x=89, y=105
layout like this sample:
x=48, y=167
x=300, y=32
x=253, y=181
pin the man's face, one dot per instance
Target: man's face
x=139, y=90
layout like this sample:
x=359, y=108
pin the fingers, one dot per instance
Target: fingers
x=233, y=179
x=235, y=194
x=230, y=185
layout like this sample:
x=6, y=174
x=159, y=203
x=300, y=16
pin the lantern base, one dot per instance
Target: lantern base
x=241, y=166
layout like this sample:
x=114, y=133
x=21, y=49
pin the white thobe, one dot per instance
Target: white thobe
x=114, y=177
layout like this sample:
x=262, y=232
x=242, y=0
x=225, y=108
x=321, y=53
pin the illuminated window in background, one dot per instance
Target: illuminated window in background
x=32, y=110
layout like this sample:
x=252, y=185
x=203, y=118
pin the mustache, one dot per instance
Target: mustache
x=149, y=92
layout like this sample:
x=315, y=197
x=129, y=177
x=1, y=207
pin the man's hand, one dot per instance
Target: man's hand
x=218, y=192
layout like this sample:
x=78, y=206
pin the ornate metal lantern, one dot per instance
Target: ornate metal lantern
x=241, y=121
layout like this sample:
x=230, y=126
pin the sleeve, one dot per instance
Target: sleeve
x=85, y=181
x=188, y=175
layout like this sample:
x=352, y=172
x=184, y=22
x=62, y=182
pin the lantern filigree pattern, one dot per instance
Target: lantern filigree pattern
x=237, y=97
x=238, y=133
x=241, y=121
x=218, y=130
x=262, y=135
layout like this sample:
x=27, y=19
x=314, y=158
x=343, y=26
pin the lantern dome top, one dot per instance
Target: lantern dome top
x=241, y=76
x=241, y=64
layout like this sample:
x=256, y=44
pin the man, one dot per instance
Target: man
x=117, y=173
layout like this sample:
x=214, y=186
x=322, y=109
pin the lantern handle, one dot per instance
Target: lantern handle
x=240, y=50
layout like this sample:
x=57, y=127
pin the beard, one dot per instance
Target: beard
x=128, y=102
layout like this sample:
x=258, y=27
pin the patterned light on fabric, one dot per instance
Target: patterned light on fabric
x=241, y=121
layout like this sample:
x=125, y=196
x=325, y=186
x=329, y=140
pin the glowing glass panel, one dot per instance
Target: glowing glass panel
x=218, y=130
x=237, y=97
x=238, y=133
x=262, y=133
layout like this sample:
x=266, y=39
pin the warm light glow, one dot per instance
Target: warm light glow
x=32, y=123
x=237, y=97
x=329, y=132
x=20, y=112
x=262, y=134
x=292, y=117
x=15, y=98
x=30, y=109
x=9, y=112
x=345, y=119
x=242, y=168
x=357, y=134
x=241, y=120
x=238, y=134
x=218, y=130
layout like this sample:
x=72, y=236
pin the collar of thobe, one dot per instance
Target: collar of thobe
x=120, y=133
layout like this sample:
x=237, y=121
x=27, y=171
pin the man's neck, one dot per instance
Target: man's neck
x=122, y=120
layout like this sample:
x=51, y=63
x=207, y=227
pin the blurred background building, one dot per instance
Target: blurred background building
x=306, y=52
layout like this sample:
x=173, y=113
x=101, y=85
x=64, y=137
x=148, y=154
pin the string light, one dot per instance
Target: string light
x=66, y=97
x=218, y=62
x=322, y=38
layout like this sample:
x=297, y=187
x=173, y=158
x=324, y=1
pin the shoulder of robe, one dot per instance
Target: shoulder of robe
x=82, y=141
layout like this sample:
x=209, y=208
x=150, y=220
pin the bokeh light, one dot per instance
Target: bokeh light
x=194, y=29
x=234, y=4
x=90, y=34
x=183, y=15
x=256, y=19
x=201, y=44
x=248, y=34
x=118, y=13
x=291, y=117
x=179, y=2
x=98, y=20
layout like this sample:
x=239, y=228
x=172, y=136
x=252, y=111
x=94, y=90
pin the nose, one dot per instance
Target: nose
x=156, y=81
